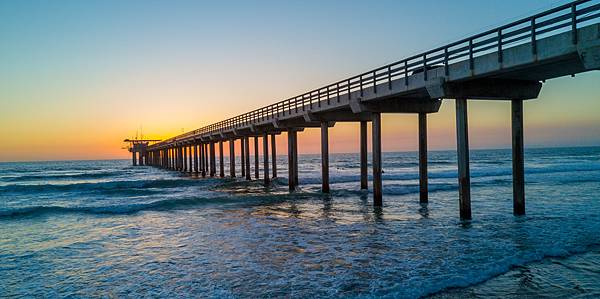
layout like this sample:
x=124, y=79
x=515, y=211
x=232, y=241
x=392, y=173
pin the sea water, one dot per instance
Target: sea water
x=106, y=228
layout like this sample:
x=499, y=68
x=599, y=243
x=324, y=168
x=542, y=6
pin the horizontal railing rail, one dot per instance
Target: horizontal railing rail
x=563, y=18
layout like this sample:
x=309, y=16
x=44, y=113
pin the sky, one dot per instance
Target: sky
x=77, y=77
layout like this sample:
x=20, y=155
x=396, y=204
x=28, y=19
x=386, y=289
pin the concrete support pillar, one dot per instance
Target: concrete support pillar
x=273, y=155
x=377, y=184
x=247, y=157
x=292, y=159
x=231, y=158
x=242, y=155
x=364, y=180
x=213, y=163
x=191, y=168
x=325, y=157
x=221, y=160
x=195, y=158
x=185, y=158
x=423, y=188
x=206, y=158
x=462, y=144
x=133, y=158
x=256, y=174
x=266, y=176
x=175, y=153
x=518, y=161
x=178, y=157
x=141, y=158
x=202, y=160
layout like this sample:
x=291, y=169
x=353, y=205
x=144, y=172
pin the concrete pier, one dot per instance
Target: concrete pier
x=325, y=157
x=518, y=163
x=364, y=181
x=423, y=192
x=266, y=176
x=504, y=63
x=462, y=144
x=377, y=184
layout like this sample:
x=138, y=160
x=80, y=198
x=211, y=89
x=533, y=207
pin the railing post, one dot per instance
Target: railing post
x=361, y=86
x=446, y=63
x=405, y=72
x=500, y=58
x=374, y=82
x=574, y=23
x=533, y=37
x=425, y=67
x=471, y=62
x=389, y=76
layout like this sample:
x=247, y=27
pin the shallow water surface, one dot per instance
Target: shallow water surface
x=101, y=228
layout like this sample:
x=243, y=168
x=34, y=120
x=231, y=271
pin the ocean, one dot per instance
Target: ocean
x=108, y=229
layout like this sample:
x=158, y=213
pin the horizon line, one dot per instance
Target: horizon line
x=337, y=153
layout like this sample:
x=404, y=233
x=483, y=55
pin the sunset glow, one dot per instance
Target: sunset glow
x=77, y=80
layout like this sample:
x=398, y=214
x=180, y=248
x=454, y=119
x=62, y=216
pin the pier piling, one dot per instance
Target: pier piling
x=364, y=181
x=213, y=164
x=273, y=156
x=266, y=176
x=247, y=157
x=231, y=158
x=377, y=184
x=256, y=172
x=423, y=188
x=517, y=158
x=221, y=160
x=292, y=160
x=462, y=143
x=325, y=157
x=242, y=155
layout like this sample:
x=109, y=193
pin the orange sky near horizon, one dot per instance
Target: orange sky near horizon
x=97, y=132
